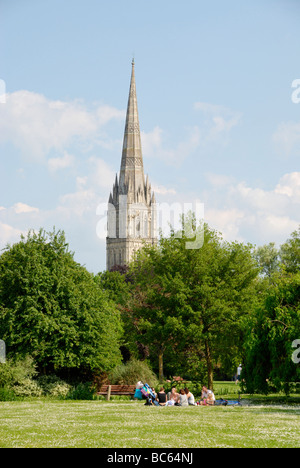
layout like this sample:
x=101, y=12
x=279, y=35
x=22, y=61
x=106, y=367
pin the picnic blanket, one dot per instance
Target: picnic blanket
x=222, y=402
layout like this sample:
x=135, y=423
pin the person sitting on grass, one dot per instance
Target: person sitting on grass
x=207, y=397
x=161, y=397
x=190, y=397
x=183, y=400
x=173, y=397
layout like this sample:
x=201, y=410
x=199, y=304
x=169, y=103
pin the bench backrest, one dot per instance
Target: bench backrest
x=118, y=388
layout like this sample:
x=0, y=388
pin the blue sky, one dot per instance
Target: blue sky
x=220, y=123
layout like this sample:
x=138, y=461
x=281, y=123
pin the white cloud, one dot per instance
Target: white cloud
x=279, y=224
x=55, y=164
x=219, y=180
x=287, y=138
x=81, y=182
x=219, y=120
x=101, y=174
x=91, y=190
x=161, y=190
x=37, y=125
x=77, y=203
x=155, y=145
x=227, y=221
x=151, y=141
x=260, y=200
x=9, y=234
x=289, y=185
x=105, y=113
x=253, y=214
x=23, y=208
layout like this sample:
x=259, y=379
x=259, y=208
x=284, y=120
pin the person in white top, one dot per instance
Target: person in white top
x=173, y=397
x=190, y=396
x=238, y=374
x=183, y=400
x=207, y=397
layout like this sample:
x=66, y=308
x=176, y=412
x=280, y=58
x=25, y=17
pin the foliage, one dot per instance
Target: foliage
x=187, y=311
x=115, y=284
x=183, y=297
x=27, y=388
x=290, y=253
x=15, y=371
x=269, y=365
x=53, y=386
x=267, y=256
x=7, y=394
x=131, y=372
x=18, y=378
x=82, y=391
x=53, y=309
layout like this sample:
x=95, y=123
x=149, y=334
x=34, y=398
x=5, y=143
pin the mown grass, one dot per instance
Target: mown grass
x=231, y=391
x=126, y=424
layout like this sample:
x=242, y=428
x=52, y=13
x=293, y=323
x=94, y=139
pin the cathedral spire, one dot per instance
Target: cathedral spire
x=131, y=219
x=132, y=160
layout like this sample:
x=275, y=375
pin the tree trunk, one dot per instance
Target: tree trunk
x=160, y=365
x=210, y=381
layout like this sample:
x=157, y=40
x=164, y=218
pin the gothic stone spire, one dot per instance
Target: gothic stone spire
x=132, y=171
x=132, y=206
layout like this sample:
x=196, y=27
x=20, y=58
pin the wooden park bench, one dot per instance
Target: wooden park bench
x=109, y=390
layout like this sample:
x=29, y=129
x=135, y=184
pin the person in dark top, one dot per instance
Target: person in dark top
x=161, y=397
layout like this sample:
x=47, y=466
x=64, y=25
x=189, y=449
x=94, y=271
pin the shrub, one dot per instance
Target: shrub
x=131, y=372
x=7, y=394
x=18, y=378
x=53, y=386
x=27, y=388
x=14, y=372
x=83, y=391
x=6, y=375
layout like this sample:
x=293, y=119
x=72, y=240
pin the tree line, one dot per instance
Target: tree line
x=197, y=313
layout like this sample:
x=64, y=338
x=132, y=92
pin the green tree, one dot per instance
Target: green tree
x=158, y=310
x=267, y=257
x=115, y=284
x=53, y=309
x=290, y=253
x=275, y=326
x=194, y=298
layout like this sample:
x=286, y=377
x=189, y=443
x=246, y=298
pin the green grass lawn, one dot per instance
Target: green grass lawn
x=126, y=424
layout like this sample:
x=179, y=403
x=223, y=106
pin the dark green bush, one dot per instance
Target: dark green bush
x=83, y=391
x=7, y=394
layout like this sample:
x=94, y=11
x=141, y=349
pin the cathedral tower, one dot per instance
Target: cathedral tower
x=131, y=207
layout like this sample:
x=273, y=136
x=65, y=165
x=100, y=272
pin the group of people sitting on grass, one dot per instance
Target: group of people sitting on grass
x=183, y=398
